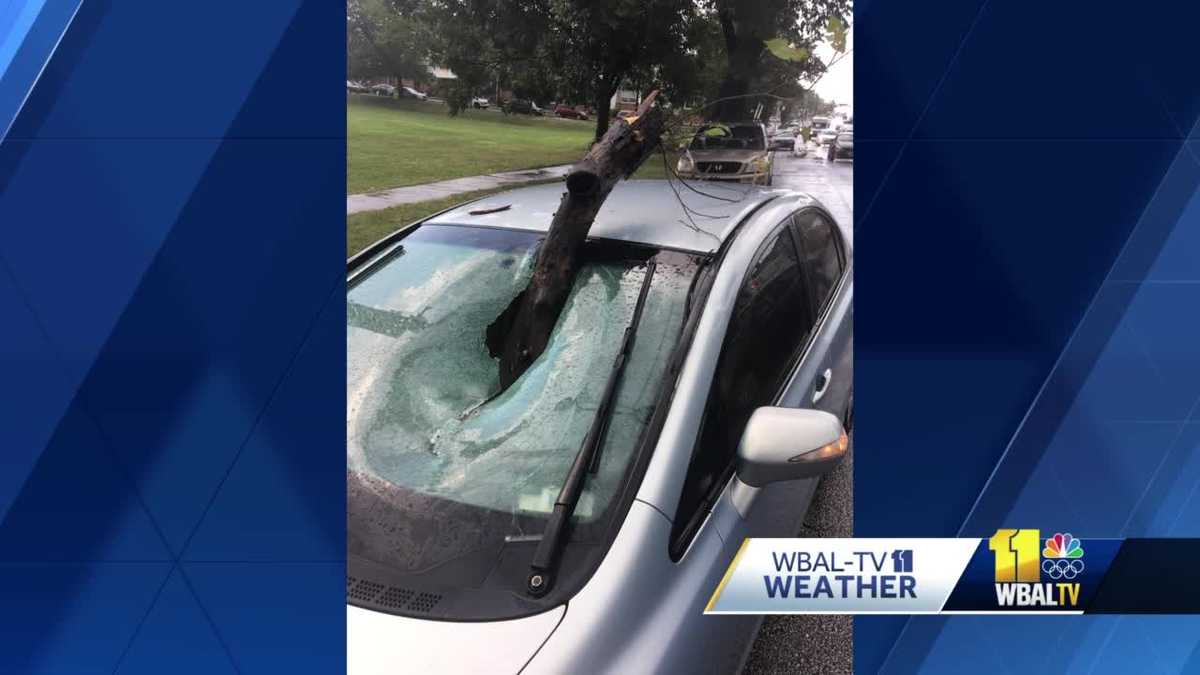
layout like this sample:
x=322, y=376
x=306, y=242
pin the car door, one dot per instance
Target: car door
x=771, y=314
x=823, y=376
x=771, y=321
x=816, y=373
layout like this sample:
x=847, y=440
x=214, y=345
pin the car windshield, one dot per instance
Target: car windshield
x=735, y=137
x=425, y=416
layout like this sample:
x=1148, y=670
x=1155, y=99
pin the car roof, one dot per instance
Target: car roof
x=651, y=212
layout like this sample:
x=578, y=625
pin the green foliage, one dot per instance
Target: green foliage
x=782, y=50
x=770, y=46
x=581, y=51
x=837, y=34
x=386, y=38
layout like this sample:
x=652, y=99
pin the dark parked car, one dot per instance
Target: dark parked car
x=569, y=112
x=523, y=107
x=842, y=145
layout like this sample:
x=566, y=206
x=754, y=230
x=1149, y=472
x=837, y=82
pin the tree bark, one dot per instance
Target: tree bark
x=602, y=113
x=604, y=94
x=744, y=54
x=521, y=332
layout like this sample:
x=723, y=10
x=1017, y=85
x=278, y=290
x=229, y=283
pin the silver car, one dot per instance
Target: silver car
x=728, y=152
x=706, y=367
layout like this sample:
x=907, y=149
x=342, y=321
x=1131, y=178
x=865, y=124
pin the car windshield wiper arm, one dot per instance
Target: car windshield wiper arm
x=587, y=460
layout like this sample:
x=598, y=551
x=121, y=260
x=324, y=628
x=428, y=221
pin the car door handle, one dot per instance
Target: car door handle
x=822, y=385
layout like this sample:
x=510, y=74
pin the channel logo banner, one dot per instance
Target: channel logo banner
x=1014, y=571
x=1031, y=571
x=842, y=576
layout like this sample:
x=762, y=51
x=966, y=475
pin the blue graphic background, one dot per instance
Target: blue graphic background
x=1028, y=304
x=171, y=280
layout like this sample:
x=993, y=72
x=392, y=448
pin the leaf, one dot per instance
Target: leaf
x=781, y=49
x=837, y=34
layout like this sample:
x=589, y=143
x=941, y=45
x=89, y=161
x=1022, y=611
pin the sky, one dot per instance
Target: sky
x=837, y=85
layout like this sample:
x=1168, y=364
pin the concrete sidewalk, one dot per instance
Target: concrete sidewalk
x=373, y=201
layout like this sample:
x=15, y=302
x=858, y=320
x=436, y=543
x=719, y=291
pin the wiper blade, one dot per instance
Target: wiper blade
x=587, y=460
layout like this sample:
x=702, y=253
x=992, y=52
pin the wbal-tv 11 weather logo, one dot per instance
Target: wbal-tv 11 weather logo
x=1012, y=572
x=1031, y=573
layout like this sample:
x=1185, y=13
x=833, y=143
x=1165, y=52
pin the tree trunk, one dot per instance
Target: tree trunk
x=602, y=113
x=521, y=332
x=604, y=94
x=744, y=53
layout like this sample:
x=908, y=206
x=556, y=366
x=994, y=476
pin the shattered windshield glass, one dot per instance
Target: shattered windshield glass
x=424, y=411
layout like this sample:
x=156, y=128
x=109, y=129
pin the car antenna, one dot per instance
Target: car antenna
x=587, y=460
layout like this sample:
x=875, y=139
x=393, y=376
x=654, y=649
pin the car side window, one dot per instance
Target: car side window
x=772, y=317
x=821, y=254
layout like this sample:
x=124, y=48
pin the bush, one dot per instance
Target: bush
x=458, y=97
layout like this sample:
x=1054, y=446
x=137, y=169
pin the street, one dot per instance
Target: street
x=831, y=183
x=815, y=643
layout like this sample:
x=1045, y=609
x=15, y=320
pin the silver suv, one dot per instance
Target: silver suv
x=728, y=152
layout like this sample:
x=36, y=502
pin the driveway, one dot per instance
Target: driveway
x=815, y=643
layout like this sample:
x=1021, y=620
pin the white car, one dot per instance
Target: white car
x=480, y=102
x=825, y=136
x=413, y=93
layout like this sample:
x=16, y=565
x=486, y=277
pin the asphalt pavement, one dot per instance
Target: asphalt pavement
x=815, y=643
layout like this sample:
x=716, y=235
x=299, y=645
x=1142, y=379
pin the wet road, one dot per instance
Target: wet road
x=815, y=643
x=831, y=183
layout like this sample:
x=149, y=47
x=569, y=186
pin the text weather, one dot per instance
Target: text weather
x=855, y=574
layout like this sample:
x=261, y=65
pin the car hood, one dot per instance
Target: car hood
x=384, y=643
x=725, y=155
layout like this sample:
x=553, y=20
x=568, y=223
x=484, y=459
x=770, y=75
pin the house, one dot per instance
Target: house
x=625, y=99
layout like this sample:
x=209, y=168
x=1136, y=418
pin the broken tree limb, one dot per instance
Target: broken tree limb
x=520, y=333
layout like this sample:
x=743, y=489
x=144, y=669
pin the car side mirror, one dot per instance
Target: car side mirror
x=789, y=444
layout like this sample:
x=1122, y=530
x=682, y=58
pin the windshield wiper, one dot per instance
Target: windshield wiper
x=587, y=460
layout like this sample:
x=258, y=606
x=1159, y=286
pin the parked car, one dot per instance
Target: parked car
x=842, y=145
x=728, y=152
x=357, y=87
x=523, y=107
x=409, y=92
x=783, y=139
x=741, y=337
x=383, y=89
x=480, y=102
x=569, y=112
x=826, y=135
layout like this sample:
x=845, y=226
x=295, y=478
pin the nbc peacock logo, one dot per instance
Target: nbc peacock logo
x=1062, y=558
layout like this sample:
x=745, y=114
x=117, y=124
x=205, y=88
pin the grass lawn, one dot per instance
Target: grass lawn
x=368, y=227
x=391, y=143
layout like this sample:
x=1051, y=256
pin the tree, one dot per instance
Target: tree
x=520, y=334
x=386, y=38
x=597, y=44
x=748, y=25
